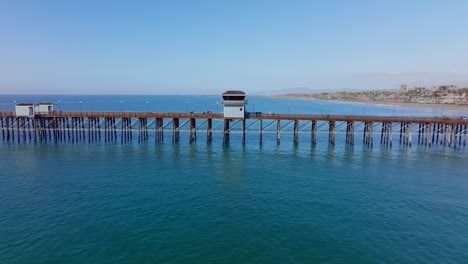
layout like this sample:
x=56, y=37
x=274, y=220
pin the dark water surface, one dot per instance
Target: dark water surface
x=180, y=203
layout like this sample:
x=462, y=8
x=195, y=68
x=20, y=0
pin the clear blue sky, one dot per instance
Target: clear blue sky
x=177, y=47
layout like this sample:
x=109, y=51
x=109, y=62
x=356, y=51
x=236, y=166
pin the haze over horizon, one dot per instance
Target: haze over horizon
x=184, y=47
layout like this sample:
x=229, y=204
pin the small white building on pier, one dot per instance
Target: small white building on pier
x=24, y=109
x=234, y=104
x=43, y=108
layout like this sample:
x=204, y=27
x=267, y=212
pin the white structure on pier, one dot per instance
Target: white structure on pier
x=43, y=108
x=30, y=109
x=24, y=109
x=234, y=104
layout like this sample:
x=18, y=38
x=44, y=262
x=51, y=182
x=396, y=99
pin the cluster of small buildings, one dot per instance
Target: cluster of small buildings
x=30, y=109
x=234, y=106
x=404, y=88
x=445, y=94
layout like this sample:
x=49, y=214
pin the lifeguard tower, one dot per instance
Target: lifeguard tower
x=234, y=104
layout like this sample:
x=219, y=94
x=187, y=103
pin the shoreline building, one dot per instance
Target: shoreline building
x=234, y=104
x=403, y=88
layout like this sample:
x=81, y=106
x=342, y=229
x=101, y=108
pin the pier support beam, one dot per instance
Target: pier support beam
x=278, y=131
x=90, y=136
x=142, y=129
x=126, y=133
x=428, y=134
x=83, y=128
x=226, y=131
x=350, y=133
x=444, y=135
x=243, y=131
x=401, y=132
x=390, y=133
x=408, y=134
x=18, y=128
x=368, y=138
x=296, y=132
x=451, y=134
x=3, y=128
x=420, y=127
x=313, y=133
x=193, y=132
x=158, y=129
x=261, y=131
x=405, y=134
x=106, y=129
x=464, y=135
x=331, y=132
x=98, y=121
x=386, y=134
x=209, y=130
x=175, y=130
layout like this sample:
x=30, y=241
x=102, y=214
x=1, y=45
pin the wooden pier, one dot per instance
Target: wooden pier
x=61, y=126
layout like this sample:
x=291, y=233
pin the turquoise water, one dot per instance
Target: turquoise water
x=180, y=203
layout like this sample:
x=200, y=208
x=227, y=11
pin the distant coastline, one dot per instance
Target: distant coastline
x=398, y=103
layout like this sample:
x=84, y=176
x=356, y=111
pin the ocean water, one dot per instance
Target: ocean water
x=197, y=203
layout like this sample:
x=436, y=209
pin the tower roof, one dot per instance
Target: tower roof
x=234, y=93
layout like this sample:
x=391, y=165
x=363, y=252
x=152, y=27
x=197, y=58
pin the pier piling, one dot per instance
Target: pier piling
x=226, y=131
